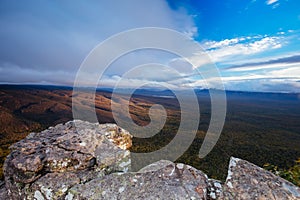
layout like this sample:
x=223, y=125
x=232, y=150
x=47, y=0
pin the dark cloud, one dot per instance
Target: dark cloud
x=48, y=39
x=284, y=60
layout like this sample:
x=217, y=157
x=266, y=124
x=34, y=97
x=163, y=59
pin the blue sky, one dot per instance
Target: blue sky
x=254, y=43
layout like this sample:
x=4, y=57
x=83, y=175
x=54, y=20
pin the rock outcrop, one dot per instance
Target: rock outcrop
x=163, y=180
x=92, y=161
x=248, y=181
x=46, y=165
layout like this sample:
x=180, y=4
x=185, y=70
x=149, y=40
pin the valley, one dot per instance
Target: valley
x=260, y=127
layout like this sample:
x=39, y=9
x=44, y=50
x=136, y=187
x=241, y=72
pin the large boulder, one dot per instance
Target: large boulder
x=45, y=165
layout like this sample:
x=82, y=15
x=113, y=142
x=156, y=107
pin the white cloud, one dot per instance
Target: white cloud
x=254, y=44
x=233, y=50
x=269, y=2
x=283, y=77
x=292, y=72
x=237, y=50
x=274, y=71
x=220, y=44
x=127, y=82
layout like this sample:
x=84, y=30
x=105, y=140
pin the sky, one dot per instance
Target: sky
x=255, y=44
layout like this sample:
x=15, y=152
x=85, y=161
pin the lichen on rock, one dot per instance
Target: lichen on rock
x=48, y=163
x=81, y=160
x=248, y=181
x=163, y=179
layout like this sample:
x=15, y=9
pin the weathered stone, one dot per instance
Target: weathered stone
x=248, y=181
x=215, y=189
x=3, y=191
x=156, y=166
x=64, y=155
x=112, y=157
x=84, y=160
x=53, y=185
x=161, y=180
x=118, y=136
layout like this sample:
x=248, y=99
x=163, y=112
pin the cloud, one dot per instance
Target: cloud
x=232, y=50
x=278, y=73
x=253, y=83
x=262, y=67
x=275, y=63
x=244, y=45
x=21, y=75
x=281, y=79
x=51, y=36
x=269, y=2
x=273, y=3
x=132, y=82
x=45, y=42
x=209, y=45
x=289, y=72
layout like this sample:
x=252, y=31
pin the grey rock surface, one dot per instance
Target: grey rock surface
x=248, y=181
x=167, y=181
x=45, y=165
x=92, y=161
x=3, y=191
x=215, y=189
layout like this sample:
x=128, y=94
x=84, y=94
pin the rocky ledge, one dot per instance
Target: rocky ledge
x=92, y=161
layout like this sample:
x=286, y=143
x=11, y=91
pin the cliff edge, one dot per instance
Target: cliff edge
x=92, y=161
